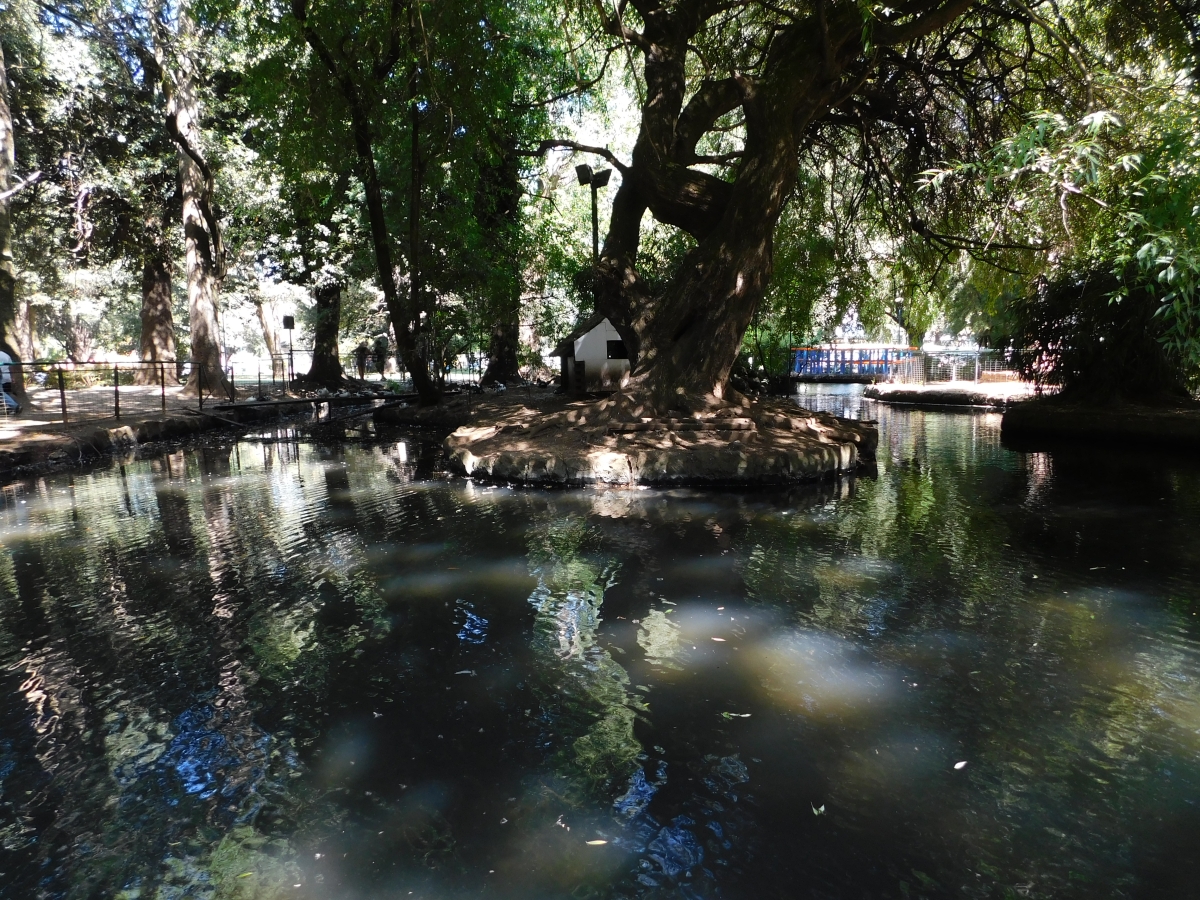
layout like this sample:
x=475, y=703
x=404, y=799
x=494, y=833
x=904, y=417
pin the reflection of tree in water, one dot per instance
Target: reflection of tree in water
x=128, y=676
x=930, y=580
x=586, y=705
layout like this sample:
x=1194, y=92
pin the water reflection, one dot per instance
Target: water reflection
x=281, y=669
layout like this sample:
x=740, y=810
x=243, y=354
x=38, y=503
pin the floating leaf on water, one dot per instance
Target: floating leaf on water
x=245, y=875
x=722, y=640
x=818, y=810
x=465, y=672
x=596, y=843
x=729, y=715
x=961, y=765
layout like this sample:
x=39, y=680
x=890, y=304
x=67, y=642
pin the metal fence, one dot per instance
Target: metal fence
x=942, y=366
x=63, y=392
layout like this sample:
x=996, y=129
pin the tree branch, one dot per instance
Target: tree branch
x=619, y=29
x=389, y=60
x=545, y=146
x=886, y=35
x=20, y=186
x=711, y=101
x=579, y=88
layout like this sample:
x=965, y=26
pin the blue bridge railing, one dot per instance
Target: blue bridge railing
x=831, y=361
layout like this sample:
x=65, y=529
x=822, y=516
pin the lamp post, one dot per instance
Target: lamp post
x=597, y=180
x=289, y=322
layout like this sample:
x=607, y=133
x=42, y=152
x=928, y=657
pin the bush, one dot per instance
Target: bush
x=1096, y=338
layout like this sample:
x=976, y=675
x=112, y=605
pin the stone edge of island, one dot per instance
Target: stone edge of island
x=563, y=458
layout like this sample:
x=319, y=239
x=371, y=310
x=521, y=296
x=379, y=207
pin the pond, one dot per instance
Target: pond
x=276, y=669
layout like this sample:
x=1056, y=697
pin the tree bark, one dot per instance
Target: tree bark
x=202, y=238
x=498, y=210
x=10, y=314
x=685, y=338
x=158, y=325
x=404, y=320
x=504, y=366
x=326, y=367
x=265, y=310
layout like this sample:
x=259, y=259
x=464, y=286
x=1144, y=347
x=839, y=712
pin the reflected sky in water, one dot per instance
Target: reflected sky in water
x=280, y=670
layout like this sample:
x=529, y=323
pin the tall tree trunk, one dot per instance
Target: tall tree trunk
x=158, y=325
x=403, y=319
x=498, y=210
x=265, y=310
x=326, y=367
x=10, y=337
x=201, y=233
x=25, y=329
x=504, y=366
x=414, y=199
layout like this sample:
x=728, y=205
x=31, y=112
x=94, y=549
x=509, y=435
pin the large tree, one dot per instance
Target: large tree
x=737, y=95
x=360, y=67
x=8, y=274
x=420, y=107
x=15, y=337
x=205, y=252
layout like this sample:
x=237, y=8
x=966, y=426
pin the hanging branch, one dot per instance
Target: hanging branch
x=33, y=178
x=545, y=146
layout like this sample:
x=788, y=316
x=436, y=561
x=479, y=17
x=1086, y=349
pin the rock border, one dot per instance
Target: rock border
x=941, y=397
x=765, y=443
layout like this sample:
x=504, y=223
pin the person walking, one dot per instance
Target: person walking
x=360, y=360
x=10, y=402
x=381, y=346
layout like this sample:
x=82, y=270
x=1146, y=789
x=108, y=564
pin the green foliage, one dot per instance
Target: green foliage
x=1107, y=199
x=1095, y=337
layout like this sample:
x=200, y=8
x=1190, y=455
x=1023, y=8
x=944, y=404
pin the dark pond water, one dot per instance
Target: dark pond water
x=277, y=670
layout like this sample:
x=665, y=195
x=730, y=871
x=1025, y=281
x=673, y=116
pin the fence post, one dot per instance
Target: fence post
x=117, y=393
x=260, y=393
x=232, y=389
x=162, y=383
x=62, y=394
x=200, y=386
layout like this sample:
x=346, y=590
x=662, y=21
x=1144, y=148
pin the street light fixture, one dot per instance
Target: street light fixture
x=597, y=180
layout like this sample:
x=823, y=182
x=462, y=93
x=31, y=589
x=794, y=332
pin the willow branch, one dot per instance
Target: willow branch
x=545, y=146
x=20, y=186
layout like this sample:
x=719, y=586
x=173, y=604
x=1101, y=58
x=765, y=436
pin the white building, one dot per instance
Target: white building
x=593, y=357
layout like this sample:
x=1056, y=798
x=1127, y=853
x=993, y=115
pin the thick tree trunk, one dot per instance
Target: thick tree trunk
x=10, y=314
x=401, y=318
x=685, y=339
x=504, y=367
x=158, y=325
x=24, y=329
x=689, y=345
x=326, y=367
x=498, y=210
x=200, y=229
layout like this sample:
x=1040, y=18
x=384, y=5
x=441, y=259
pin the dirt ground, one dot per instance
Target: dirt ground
x=535, y=436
